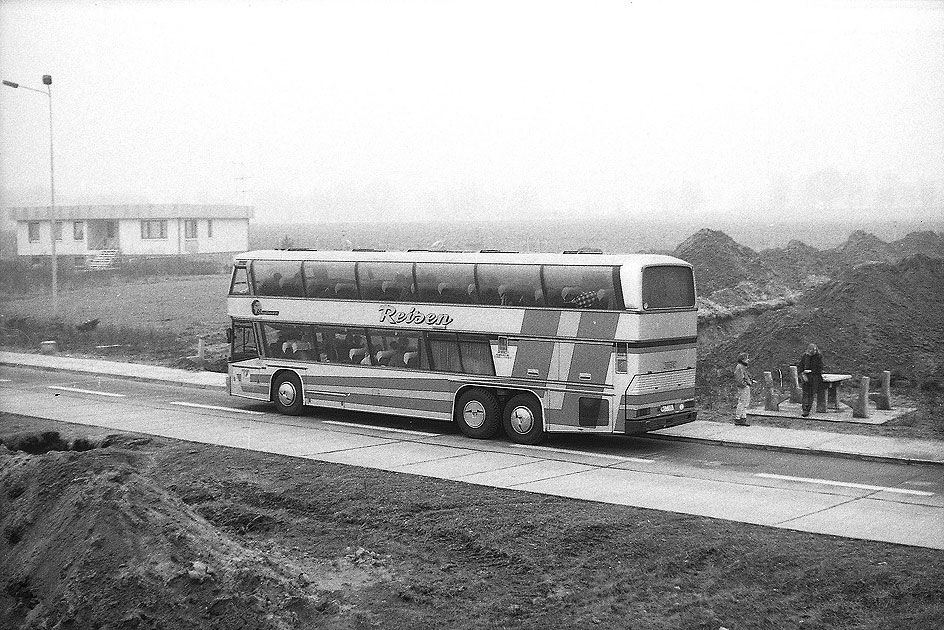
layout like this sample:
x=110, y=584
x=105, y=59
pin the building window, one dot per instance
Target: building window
x=190, y=228
x=154, y=229
x=209, y=228
x=58, y=230
x=78, y=230
x=33, y=229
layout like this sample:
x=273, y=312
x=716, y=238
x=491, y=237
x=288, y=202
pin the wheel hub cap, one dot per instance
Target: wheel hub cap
x=474, y=414
x=522, y=420
x=287, y=394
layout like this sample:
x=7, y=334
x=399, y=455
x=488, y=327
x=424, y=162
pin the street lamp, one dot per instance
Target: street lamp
x=47, y=81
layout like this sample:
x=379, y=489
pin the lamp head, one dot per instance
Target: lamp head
x=47, y=79
x=11, y=84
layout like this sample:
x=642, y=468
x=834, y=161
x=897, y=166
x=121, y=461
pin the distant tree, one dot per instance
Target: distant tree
x=286, y=242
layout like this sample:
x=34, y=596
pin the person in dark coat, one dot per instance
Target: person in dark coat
x=810, y=368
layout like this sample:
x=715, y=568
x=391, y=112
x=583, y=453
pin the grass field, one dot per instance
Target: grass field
x=360, y=548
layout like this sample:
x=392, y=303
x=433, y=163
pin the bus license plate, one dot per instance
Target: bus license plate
x=665, y=408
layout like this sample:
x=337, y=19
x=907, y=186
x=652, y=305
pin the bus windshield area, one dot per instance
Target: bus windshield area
x=667, y=286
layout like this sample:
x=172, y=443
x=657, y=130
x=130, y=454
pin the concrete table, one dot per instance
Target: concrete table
x=832, y=382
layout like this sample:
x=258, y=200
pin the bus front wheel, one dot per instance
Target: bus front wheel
x=524, y=423
x=478, y=414
x=287, y=394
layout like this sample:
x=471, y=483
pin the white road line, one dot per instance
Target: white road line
x=370, y=426
x=4, y=380
x=85, y=391
x=635, y=460
x=846, y=484
x=215, y=407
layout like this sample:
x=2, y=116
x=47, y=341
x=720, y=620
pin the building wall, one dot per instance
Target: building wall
x=229, y=235
x=67, y=246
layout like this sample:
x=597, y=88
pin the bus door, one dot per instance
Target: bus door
x=246, y=371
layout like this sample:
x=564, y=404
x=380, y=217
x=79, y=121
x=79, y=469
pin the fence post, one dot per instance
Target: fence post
x=771, y=398
x=796, y=393
x=861, y=407
x=201, y=352
x=883, y=399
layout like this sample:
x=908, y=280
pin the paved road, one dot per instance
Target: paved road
x=871, y=500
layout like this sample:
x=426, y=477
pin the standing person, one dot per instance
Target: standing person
x=810, y=368
x=743, y=382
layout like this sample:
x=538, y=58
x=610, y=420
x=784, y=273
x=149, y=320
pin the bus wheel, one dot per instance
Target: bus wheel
x=287, y=394
x=523, y=420
x=478, y=413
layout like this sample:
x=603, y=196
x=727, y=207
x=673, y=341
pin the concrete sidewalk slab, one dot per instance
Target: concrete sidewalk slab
x=794, y=411
x=806, y=441
x=137, y=371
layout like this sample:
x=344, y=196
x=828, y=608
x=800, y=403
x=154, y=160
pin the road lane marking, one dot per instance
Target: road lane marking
x=635, y=460
x=370, y=426
x=86, y=391
x=846, y=484
x=4, y=380
x=217, y=408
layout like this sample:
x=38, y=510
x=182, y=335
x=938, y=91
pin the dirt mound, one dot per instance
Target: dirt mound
x=928, y=243
x=88, y=542
x=800, y=265
x=720, y=262
x=862, y=247
x=876, y=316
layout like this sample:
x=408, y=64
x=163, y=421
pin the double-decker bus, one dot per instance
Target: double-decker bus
x=532, y=343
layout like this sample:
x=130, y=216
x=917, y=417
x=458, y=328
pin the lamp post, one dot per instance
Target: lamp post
x=47, y=81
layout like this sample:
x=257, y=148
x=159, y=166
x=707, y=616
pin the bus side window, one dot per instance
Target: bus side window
x=476, y=354
x=244, y=344
x=240, y=282
x=444, y=352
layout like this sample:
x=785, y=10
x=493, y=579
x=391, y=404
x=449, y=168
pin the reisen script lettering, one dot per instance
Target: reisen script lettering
x=391, y=315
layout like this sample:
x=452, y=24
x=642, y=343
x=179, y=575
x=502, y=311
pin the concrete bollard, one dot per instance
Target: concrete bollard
x=771, y=398
x=796, y=392
x=201, y=352
x=49, y=347
x=861, y=407
x=883, y=400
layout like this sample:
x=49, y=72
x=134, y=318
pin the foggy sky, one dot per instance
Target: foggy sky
x=404, y=110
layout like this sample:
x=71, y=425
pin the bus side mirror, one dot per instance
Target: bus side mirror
x=229, y=335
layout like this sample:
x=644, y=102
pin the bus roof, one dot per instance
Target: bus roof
x=623, y=260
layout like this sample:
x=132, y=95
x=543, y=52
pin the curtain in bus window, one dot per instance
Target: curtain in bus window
x=278, y=278
x=444, y=352
x=445, y=283
x=667, y=286
x=510, y=285
x=476, y=354
x=385, y=281
x=289, y=341
x=580, y=287
x=332, y=280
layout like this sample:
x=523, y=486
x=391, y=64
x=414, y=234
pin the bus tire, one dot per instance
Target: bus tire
x=478, y=413
x=287, y=393
x=524, y=421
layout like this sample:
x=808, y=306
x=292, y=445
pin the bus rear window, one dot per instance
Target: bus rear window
x=667, y=286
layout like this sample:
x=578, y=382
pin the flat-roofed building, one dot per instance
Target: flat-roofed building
x=133, y=230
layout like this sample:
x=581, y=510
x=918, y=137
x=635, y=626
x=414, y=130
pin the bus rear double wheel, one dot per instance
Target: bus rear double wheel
x=523, y=419
x=480, y=415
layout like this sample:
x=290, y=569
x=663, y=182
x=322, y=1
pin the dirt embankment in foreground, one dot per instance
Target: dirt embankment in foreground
x=161, y=534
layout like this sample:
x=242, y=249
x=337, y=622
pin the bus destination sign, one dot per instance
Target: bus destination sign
x=392, y=315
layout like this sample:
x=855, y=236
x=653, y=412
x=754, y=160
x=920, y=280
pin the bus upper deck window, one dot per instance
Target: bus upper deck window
x=667, y=286
x=240, y=283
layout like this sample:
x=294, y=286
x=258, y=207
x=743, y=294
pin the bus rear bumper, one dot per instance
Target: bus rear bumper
x=659, y=422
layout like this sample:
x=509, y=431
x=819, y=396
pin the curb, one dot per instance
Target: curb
x=128, y=377
x=800, y=450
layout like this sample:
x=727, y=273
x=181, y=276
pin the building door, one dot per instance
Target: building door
x=111, y=235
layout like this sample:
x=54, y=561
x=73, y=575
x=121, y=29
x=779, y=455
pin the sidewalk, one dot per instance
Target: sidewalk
x=787, y=440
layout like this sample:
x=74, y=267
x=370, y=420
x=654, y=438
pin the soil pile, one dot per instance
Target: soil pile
x=862, y=247
x=877, y=316
x=799, y=265
x=88, y=541
x=720, y=262
x=928, y=243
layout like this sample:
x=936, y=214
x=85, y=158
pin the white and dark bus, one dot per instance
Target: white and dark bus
x=532, y=343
